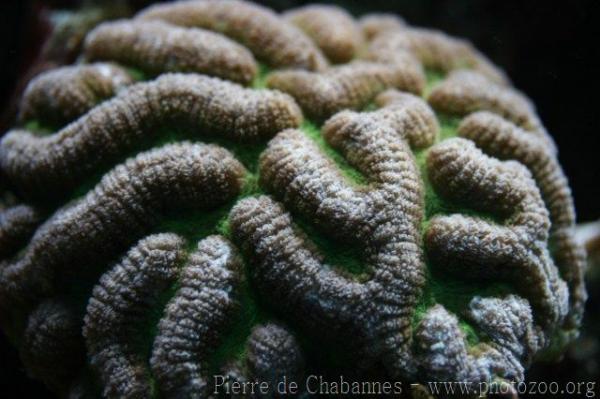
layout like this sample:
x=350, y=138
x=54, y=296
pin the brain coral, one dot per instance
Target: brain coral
x=217, y=189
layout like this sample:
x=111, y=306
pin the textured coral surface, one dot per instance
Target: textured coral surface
x=214, y=188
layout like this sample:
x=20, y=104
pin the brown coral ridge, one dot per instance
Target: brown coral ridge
x=17, y=225
x=408, y=115
x=374, y=24
x=52, y=165
x=116, y=310
x=273, y=358
x=503, y=139
x=464, y=92
x=443, y=355
x=274, y=41
x=196, y=318
x=349, y=86
x=193, y=324
x=60, y=46
x=434, y=49
x=382, y=218
x=331, y=28
x=122, y=207
x=61, y=95
x=515, y=251
x=156, y=47
x=52, y=348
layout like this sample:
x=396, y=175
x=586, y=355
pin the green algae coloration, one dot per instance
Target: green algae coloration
x=251, y=313
x=41, y=129
x=260, y=82
x=441, y=287
x=345, y=257
x=353, y=175
x=137, y=74
x=433, y=77
x=38, y=129
x=435, y=204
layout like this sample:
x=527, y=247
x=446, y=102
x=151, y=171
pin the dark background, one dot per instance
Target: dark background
x=550, y=51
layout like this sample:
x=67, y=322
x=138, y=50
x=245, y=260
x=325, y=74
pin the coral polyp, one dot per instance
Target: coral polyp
x=215, y=194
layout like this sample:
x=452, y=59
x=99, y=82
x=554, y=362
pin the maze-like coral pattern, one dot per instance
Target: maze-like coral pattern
x=64, y=94
x=154, y=47
x=331, y=28
x=217, y=189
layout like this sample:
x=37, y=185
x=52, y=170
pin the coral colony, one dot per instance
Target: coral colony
x=217, y=195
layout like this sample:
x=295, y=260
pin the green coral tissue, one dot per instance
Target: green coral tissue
x=215, y=194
